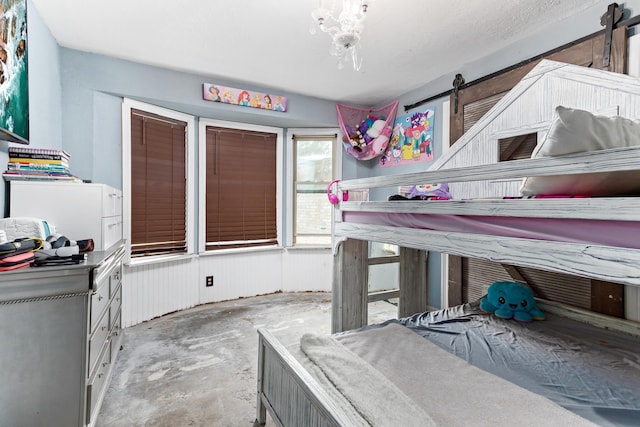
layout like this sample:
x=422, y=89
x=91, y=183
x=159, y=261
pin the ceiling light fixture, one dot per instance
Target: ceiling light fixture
x=344, y=30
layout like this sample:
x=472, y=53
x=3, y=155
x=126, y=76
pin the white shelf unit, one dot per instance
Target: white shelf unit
x=79, y=211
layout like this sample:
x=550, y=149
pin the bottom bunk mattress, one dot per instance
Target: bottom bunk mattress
x=586, y=369
x=552, y=372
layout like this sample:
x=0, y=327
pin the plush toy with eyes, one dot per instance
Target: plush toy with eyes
x=430, y=191
x=509, y=300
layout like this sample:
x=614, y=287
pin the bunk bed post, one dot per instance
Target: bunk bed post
x=413, y=281
x=350, y=286
x=261, y=409
x=454, y=286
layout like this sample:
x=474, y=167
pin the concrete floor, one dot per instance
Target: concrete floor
x=198, y=367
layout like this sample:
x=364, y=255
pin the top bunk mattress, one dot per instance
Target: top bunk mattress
x=571, y=230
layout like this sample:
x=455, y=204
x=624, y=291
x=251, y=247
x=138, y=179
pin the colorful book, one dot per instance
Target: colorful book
x=42, y=168
x=35, y=172
x=41, y=151
x=35, y=156
x=40, y=161
x=38, y=177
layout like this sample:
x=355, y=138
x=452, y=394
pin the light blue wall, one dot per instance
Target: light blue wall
x=45, y=91
x=94, y=86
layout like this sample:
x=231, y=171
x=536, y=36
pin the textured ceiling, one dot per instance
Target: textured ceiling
x=406, y=43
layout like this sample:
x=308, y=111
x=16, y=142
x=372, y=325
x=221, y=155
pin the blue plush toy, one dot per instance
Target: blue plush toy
x=511, y=300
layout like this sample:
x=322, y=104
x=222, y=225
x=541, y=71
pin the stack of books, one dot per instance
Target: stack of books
x=38, y=164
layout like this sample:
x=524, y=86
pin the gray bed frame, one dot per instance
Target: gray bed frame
x=290, y=394
x=294, y=398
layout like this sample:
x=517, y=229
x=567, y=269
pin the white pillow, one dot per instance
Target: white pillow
x=575, y=131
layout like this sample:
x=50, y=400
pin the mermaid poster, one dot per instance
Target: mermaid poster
x=411, y=139
x=243, y=97
x=14, y=81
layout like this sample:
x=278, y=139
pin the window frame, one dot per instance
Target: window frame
x=291, y=170
x=202, y=193
x=127, y=106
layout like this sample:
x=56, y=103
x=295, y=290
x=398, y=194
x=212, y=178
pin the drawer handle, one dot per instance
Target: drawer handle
x=100, y=297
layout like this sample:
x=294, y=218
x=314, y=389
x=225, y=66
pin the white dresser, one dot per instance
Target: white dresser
x=79, y=211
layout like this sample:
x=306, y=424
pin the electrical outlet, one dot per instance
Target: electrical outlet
x=209, y=281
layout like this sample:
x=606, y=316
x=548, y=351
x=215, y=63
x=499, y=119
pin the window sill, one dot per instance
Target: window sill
x=309, y=247
x=236, y=251
x=137, y=262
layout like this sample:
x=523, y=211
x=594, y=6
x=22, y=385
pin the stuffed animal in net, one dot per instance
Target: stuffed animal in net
x=509, y=300
x=430, y=191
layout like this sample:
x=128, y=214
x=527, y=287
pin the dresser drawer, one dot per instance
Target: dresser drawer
x=116, y=302
x=111, y=231
x=115, y=280
x=96, y=386
x=111, y=201
x=97, y=342
x=116, y=337
x=97, y=305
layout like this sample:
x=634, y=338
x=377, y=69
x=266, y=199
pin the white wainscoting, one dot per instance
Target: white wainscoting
x=307, y=269
x=240, y=274
x=156, y=289
x=632, y=302
x=151, y=290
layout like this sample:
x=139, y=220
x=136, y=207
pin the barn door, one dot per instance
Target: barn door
x=472, y=103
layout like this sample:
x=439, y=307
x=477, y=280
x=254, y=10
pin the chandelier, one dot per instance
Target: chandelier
x=344, y=30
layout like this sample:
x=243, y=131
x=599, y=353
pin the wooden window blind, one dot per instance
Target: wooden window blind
x=158, y=185
x=240, y=188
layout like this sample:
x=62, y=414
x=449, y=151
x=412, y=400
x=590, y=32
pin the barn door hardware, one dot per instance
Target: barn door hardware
x=616, y=22
x=609, y=21
x=457, y=82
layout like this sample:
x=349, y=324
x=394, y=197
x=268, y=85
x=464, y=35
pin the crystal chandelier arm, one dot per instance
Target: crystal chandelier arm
x=344, y=30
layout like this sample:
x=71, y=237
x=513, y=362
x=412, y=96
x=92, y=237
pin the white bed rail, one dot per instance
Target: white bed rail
x=290, y=394
x=613, y=159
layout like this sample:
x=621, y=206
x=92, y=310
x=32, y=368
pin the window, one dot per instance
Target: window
x=314, y=170
x=157, y=181
x=239, y=186
x=517, y=147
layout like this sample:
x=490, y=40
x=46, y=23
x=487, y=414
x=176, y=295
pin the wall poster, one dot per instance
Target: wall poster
x=246, y=98
x=14, y=81
x=411, y=139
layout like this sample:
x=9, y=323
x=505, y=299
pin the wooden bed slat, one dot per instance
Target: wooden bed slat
x=606, y=208
x=613, y=159
x=618, y=265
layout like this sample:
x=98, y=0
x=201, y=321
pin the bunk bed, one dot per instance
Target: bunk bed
x=574, y=368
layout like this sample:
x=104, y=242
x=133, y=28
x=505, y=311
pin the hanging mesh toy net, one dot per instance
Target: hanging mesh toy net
x=366, y=132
